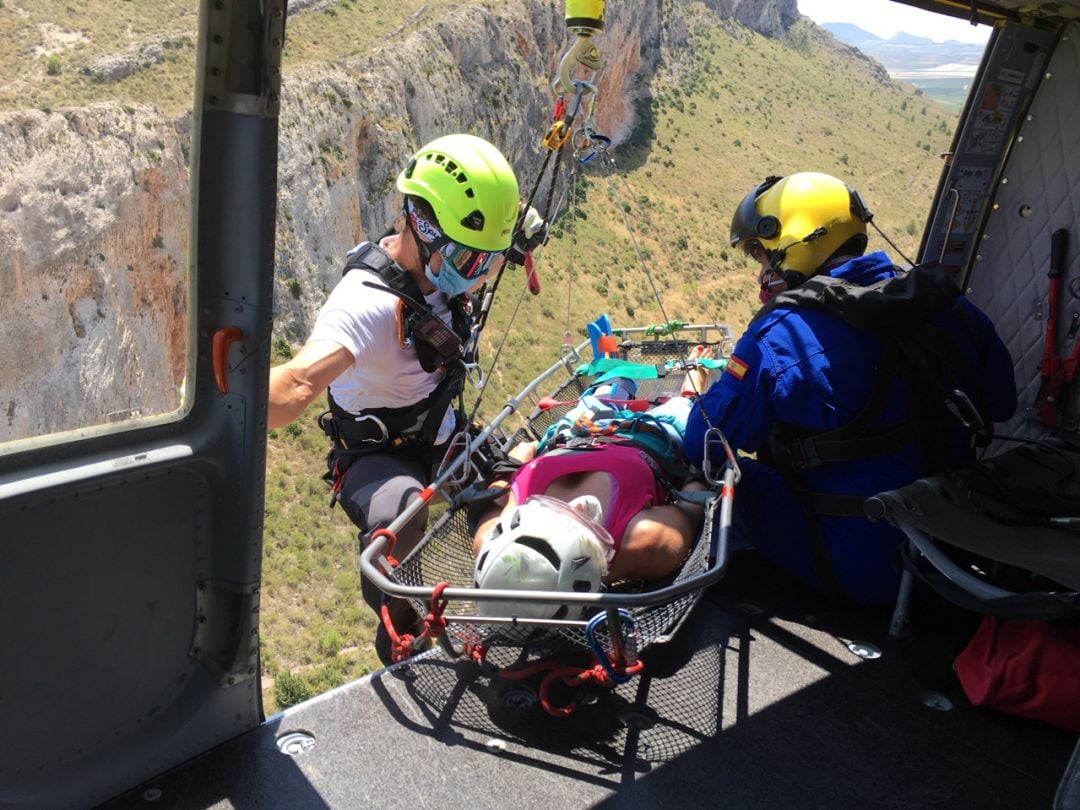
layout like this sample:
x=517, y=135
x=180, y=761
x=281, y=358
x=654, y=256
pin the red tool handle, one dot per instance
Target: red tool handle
x=1059, y=241
x=223, y=338
x=1053, y=372
x=530, y=274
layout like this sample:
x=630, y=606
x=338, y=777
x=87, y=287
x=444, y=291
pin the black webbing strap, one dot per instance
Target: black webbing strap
x=824, y=572
x=826, y=503
x=857, y=438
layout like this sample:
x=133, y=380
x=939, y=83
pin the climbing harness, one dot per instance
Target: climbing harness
x=410, y=429
x=915, y=353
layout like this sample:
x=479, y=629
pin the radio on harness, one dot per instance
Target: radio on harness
x=422, y=322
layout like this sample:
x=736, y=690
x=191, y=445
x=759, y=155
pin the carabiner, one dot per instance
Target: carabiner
x=462, y=476
x=627, y=622
x=714, y=433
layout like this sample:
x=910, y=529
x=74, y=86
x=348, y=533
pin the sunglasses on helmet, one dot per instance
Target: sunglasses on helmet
x=467, y=262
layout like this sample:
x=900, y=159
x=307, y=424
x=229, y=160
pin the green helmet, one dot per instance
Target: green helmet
x=470, y=187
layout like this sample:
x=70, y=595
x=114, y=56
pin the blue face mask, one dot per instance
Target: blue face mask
x=448, y=281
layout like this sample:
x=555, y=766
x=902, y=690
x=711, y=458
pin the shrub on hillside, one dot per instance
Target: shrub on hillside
x=291, y=689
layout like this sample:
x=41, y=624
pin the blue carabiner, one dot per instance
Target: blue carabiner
x=598, y=650
x=596, y=144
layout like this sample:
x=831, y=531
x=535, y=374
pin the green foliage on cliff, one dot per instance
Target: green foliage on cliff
x=723, y=112
x=726, y=111
x=81, y=35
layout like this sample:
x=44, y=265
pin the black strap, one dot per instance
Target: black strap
x=824, y=572
x=826, y=503
x=377, y=429
x=802, y=450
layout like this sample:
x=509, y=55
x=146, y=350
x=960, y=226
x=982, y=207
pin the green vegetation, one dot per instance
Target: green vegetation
x=707, y=135
x=71, y=38
x=724, y=112
x=950, y=93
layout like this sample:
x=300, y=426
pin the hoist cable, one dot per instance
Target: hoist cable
x=572, y=232
x=608, y=163
x=498, y=351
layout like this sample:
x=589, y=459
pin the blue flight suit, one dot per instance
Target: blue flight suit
x=808, y=368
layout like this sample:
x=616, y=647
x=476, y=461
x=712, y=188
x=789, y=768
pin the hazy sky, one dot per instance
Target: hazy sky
x=885, y=17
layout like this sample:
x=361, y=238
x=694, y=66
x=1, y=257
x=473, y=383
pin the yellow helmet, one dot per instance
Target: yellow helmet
x=801, y=221
x=470, y=187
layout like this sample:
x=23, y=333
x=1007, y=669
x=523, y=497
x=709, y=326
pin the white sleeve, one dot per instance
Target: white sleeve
x=356, y=317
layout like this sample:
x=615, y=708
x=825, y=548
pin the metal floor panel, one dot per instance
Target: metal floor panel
x=759, y=702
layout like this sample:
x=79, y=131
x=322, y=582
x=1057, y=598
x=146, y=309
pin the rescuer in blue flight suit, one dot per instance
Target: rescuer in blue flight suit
x=843, y=385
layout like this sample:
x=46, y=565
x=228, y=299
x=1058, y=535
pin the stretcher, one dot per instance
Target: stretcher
x=613, y=626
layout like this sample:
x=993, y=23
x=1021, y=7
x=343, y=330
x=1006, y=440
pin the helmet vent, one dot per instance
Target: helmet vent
x=541, y=547
x=474, y=221
x=515, y=519
x=582, y=586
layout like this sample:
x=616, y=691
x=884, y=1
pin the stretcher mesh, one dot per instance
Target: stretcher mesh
x=445, y=553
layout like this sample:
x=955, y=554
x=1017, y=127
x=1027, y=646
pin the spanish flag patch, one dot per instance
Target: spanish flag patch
x=736, y=367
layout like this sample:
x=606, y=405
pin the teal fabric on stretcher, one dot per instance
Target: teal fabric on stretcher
x=608, y=367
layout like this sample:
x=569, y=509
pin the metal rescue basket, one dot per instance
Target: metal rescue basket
x=437, y=577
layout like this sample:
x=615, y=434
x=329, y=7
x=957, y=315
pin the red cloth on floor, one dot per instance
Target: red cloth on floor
x=1027, y=668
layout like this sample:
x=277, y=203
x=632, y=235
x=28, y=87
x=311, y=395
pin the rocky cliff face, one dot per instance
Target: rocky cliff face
x=769, y=17
x=93, y=235
x=348, y=129
x=93, y=202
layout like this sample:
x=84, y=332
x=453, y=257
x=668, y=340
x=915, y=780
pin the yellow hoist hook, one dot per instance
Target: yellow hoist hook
x=584, y=18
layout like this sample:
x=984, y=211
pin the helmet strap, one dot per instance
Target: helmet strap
x=421, y=246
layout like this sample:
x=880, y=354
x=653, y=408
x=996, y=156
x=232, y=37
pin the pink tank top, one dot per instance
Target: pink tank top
x=634, y=485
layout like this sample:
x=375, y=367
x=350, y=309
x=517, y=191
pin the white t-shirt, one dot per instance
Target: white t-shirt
x=384, y=373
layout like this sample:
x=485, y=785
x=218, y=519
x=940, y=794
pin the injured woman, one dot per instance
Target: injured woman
x=594, y=502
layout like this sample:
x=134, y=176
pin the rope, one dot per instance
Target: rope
x=608, y=163
x=498, y=352
x=573, y=242
x=549, y=215
x=574, y=676
x=694, y=394
x=402, y=645
x=435, y=622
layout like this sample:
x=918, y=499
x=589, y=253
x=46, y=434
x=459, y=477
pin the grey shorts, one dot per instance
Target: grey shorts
x=377, y=488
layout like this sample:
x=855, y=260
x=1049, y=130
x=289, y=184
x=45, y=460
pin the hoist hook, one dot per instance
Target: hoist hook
x=584, y=18
x=582, y=52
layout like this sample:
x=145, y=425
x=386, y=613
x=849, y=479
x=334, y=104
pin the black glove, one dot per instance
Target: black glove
x=532, y=234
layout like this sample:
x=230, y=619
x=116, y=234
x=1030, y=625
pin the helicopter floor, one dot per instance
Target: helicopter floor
x=760, y=701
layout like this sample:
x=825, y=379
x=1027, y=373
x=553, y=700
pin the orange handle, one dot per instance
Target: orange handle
x=608, y=346
x=223, y=338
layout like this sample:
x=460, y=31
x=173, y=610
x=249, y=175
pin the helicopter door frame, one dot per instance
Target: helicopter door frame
x=130, y=559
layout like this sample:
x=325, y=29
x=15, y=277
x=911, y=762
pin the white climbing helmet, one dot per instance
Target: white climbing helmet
x=544, y=544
